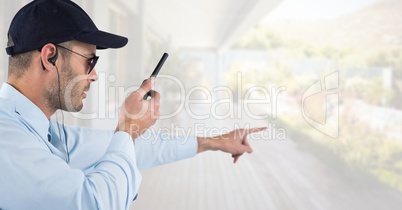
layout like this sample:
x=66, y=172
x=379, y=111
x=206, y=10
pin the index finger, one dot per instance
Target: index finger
x=255, y=130
x=156, y=96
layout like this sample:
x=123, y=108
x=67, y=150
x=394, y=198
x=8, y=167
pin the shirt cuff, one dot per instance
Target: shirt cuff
x=188, y=148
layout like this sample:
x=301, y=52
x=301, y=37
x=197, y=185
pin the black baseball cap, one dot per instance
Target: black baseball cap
x=55, y=21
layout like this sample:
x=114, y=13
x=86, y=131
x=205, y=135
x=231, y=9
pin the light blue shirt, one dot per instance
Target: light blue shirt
x=104, y=167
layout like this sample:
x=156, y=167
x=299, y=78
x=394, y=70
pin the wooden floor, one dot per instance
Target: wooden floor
x=277, y=175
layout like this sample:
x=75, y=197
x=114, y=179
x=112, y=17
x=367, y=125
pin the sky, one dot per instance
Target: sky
x=315, y=9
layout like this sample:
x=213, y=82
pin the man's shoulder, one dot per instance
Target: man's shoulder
x=7, y=108
x=9, y=119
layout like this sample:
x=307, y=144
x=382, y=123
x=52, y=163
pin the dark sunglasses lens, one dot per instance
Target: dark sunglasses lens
x=92, y=63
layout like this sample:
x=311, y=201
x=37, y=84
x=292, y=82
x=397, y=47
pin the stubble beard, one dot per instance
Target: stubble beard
x=56, y=97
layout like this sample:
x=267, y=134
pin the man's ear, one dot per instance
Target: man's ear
x=48, y=56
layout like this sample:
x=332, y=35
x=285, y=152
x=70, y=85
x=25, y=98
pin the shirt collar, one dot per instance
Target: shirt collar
x=28, y=111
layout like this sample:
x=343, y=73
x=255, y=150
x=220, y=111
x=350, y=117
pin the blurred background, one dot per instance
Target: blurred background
x=325, y=78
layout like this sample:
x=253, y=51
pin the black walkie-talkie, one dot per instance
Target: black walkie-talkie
x=155, y=73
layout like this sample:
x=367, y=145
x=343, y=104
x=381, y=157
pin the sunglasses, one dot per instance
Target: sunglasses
x=91, y=61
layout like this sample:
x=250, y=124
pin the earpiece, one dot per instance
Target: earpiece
x=54, y=58
x=51, y=60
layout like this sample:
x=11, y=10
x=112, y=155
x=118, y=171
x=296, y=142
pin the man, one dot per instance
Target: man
x=45, y=165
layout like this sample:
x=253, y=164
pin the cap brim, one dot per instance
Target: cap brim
x=102, y=40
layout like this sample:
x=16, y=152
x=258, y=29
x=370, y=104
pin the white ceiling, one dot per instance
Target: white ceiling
x=211, y=24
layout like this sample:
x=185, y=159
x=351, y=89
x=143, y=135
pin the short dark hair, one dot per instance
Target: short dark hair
x=19, y=63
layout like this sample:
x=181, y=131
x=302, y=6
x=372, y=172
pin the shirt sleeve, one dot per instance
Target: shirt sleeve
x=45, y=181
x=154, y=150
x=151, y=149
